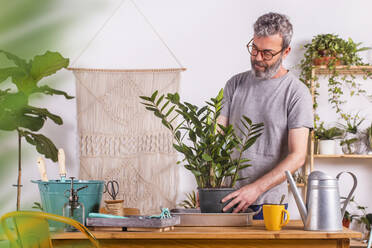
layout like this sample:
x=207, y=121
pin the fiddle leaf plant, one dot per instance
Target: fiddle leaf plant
x=16, y=114
x=212, y=152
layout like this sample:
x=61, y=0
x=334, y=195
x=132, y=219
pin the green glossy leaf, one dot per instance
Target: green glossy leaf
x=43, y=113
x=49, y=91
x=21, y=63
x=170, y=111
x=247, y=120
x=178, y=135
x=206, y=157
x=47, y=64
x=165, y=105
x=145, y=98
x=153, y=96
x=43, y=145
x=250, y=142
x=196, y=173
x=10, y=72
x=159, y=100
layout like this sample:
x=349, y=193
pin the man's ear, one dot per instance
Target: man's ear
x=286, y=51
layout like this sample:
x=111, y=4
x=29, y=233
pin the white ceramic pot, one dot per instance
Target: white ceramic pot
x=327, y=147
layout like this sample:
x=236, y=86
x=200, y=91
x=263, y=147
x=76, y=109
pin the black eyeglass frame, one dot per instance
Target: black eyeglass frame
x=262, y=51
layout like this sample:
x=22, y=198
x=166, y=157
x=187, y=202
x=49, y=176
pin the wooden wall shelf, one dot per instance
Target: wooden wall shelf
x=342, y=70
x=343, y=156
x=322, y=70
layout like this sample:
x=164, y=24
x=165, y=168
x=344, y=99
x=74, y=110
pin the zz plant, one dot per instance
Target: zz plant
x=16, y=113
x=212, y=152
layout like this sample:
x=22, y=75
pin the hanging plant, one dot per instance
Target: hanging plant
x=331, y=51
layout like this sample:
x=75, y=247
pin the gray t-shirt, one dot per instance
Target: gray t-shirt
x=281, y=104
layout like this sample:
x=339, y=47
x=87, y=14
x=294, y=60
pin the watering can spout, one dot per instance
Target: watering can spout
x=300, y=203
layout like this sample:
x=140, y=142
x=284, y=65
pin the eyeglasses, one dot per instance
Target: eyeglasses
x=265, y=54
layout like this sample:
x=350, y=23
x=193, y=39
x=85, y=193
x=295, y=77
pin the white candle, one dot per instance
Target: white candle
x=62, y=162
x=42, y=169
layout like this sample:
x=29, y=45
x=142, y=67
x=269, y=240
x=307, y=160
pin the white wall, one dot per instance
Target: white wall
x=209, y=38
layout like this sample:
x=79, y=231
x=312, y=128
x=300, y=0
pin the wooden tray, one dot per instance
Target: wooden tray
x=195, y=218
x=133, y=221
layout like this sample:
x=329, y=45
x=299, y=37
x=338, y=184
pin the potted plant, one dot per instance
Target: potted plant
x=330, y=50
x=368, y=136
x=16, y=114
x=326, y=138
x=346, y=219
x=190, y=202
x=351, y=142
x=361, y=221
x=212, y=152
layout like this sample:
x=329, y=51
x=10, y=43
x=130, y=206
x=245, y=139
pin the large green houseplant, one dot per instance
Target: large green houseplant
x=330, y=50
x=16, y=114
x=212, y=152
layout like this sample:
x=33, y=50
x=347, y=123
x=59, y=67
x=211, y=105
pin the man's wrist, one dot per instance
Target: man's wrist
x=259, y=187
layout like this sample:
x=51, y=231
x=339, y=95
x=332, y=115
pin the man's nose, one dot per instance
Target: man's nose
x=259, y=56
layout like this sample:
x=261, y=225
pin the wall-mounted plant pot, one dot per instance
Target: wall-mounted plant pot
x=210, y=199
x=327, y=147
x=325, y=61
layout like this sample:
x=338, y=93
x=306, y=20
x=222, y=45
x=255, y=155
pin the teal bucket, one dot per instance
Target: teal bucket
x=52, y=194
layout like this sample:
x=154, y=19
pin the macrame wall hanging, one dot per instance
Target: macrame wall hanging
x=121, y=140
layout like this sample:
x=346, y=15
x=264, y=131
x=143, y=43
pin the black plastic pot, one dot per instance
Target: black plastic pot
x=210, y=199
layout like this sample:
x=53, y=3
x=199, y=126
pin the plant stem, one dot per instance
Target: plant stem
x=19, y=171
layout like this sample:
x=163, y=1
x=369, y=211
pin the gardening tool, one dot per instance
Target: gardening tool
x=42, y=169
x=62, y=164
x=112, y=188
x=322, y=211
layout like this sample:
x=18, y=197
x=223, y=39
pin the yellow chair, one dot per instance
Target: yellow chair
x=31, y=229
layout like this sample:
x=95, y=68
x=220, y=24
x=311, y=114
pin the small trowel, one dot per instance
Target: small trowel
x=42, y=169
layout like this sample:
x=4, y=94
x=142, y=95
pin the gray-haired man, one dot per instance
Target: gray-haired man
x=271, y=94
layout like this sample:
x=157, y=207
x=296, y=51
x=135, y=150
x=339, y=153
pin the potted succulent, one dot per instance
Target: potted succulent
x=351, y=142
x=212, y=152
x=326, y=138
x=330, y=50
x=190, y=202
x=16, y=114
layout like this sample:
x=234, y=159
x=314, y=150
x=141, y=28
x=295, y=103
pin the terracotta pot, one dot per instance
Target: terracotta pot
x=325, y=61
x=346, y=223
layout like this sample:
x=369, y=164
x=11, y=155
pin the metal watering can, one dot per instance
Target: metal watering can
x=322, y=211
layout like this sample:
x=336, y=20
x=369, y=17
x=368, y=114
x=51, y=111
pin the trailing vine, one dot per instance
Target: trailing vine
x=331, y=51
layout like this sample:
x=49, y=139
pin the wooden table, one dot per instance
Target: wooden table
x=255, y=236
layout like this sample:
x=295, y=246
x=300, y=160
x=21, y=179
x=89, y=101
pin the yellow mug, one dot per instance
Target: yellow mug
x=274, y=216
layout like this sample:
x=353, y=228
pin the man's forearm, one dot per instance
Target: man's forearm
x=276, y=176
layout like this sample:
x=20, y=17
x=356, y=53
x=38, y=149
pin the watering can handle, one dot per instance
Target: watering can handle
x=351, y=191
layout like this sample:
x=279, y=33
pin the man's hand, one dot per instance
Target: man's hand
x=244, y=196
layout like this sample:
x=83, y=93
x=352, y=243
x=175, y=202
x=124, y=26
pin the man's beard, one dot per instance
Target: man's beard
x=269, y=72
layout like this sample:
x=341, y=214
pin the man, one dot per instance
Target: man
x=271, y=94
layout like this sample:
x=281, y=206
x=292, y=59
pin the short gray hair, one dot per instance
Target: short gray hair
x=274, y=23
